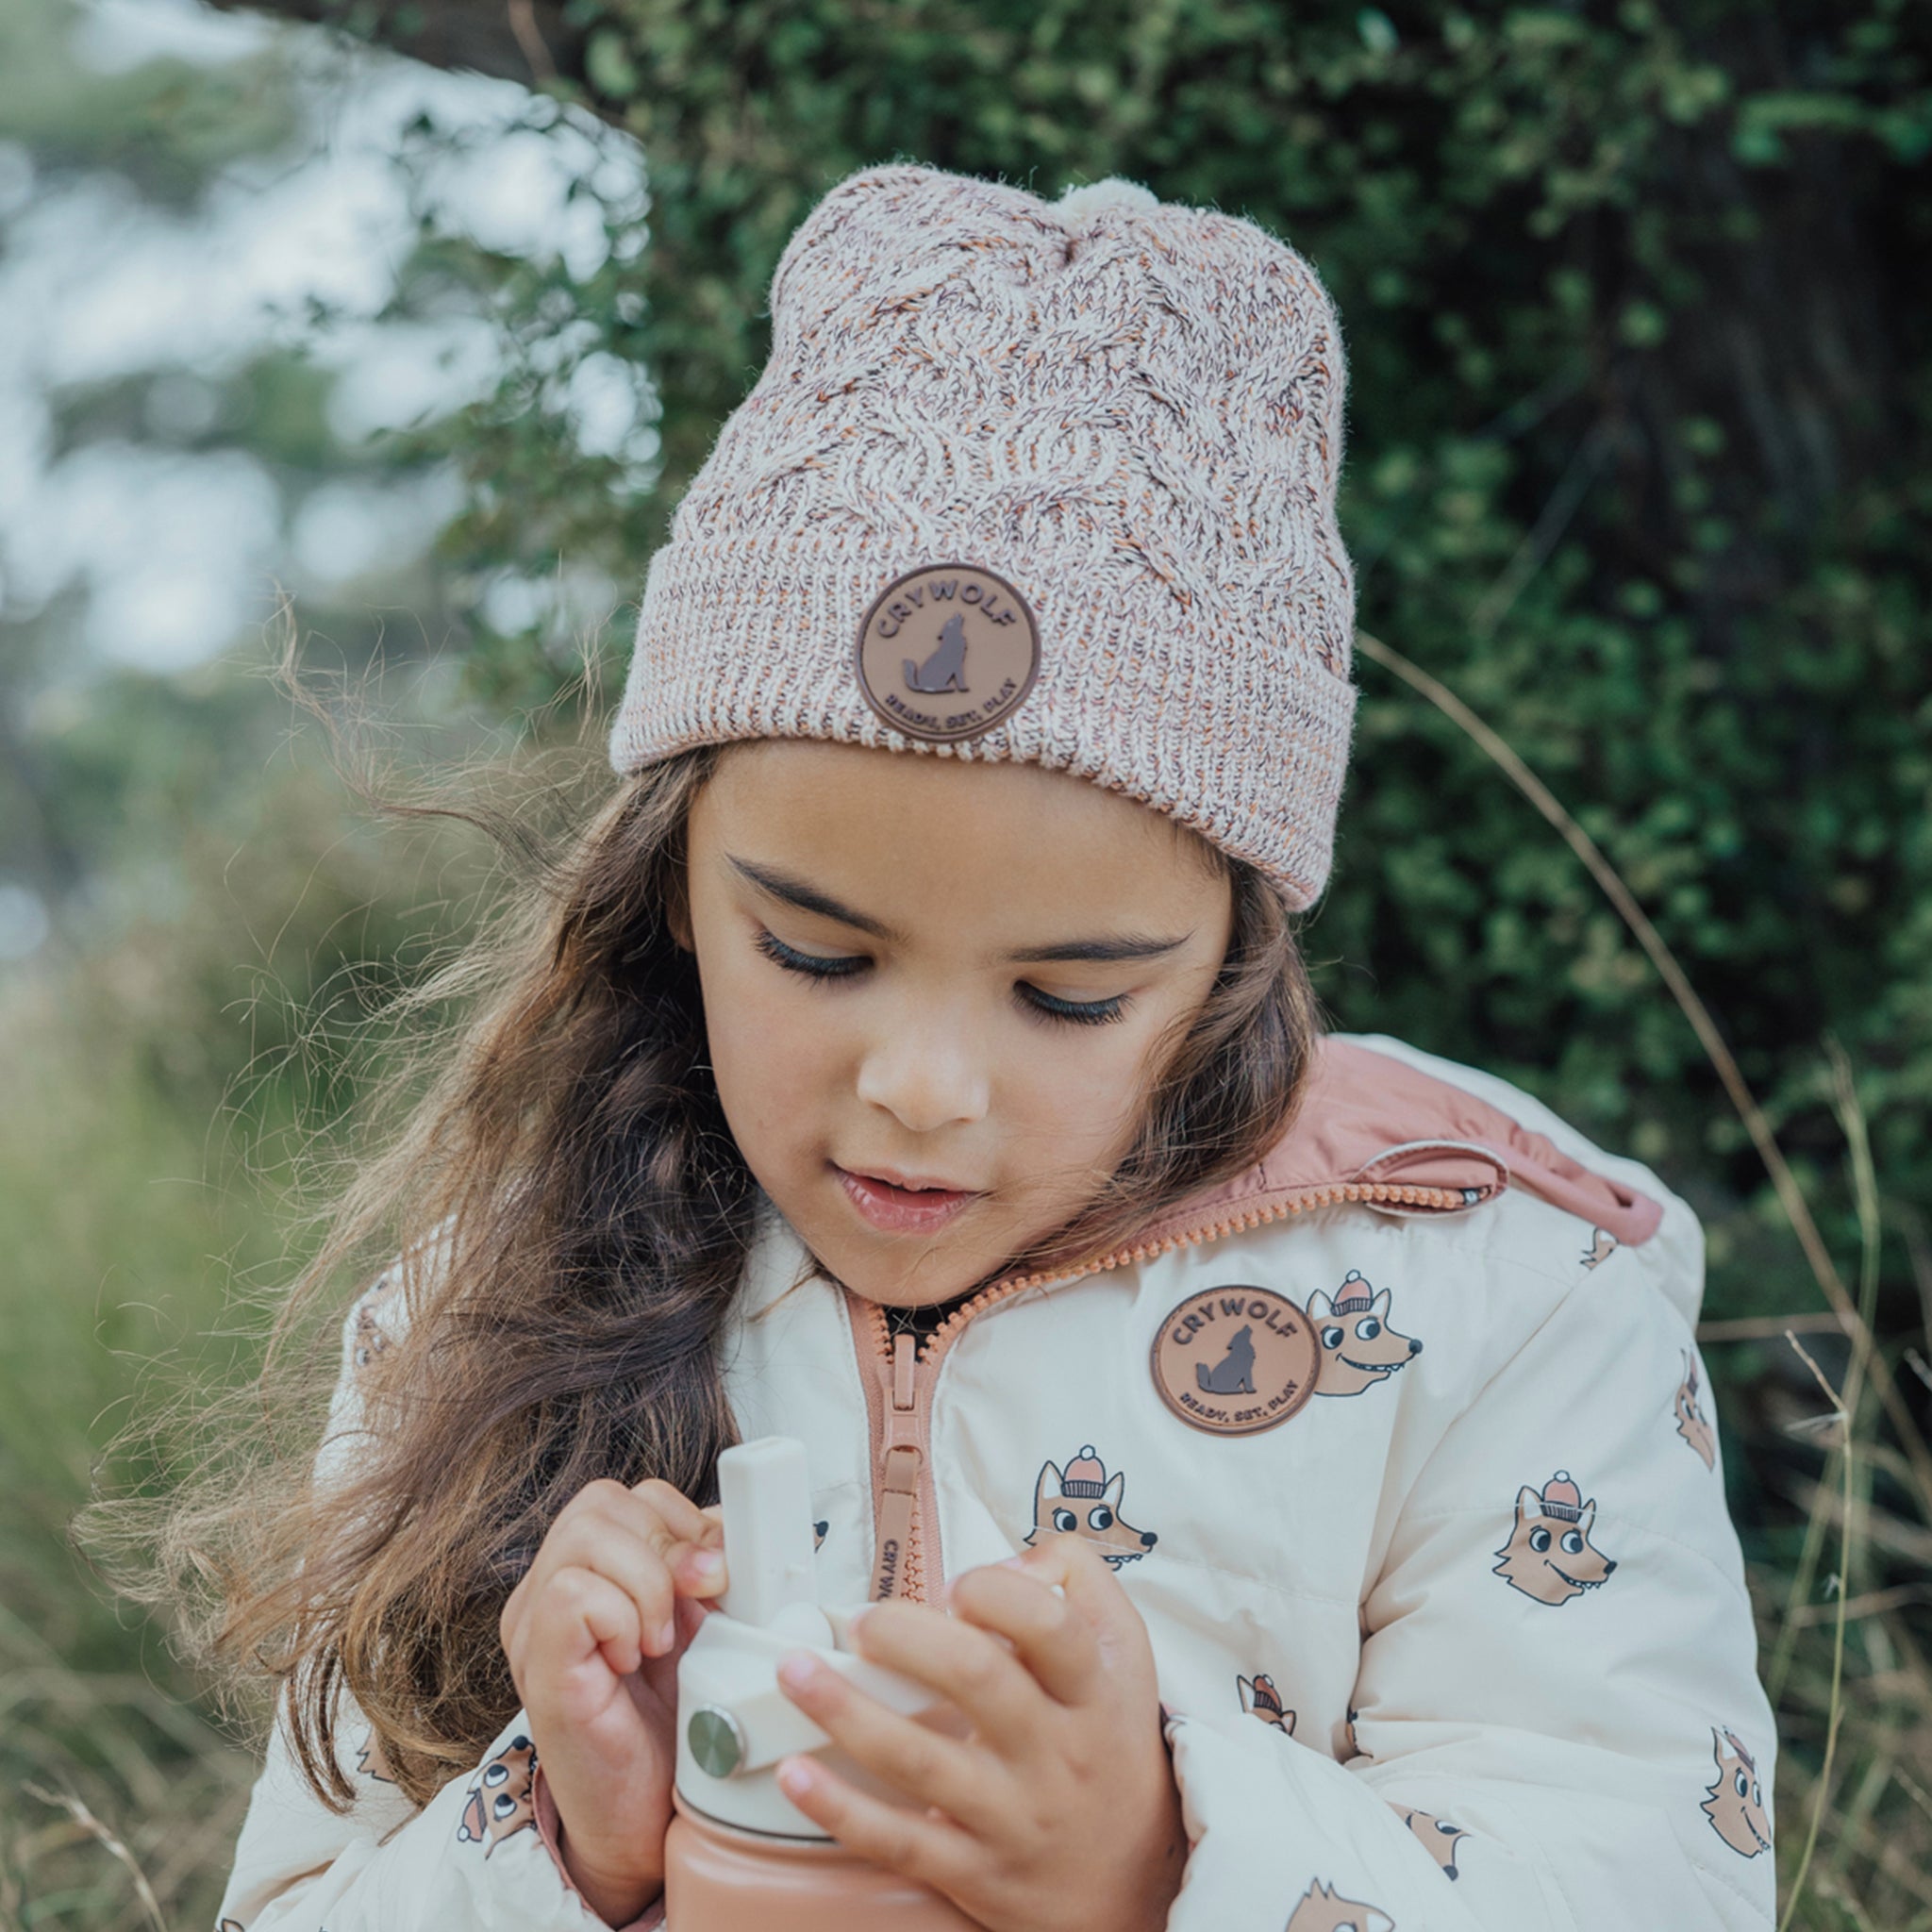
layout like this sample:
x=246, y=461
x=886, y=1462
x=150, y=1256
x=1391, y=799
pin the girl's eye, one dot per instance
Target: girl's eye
x=813, y=965
x=1081, y=1013
x=843, y=965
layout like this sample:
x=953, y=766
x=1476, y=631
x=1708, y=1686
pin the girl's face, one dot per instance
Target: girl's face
x=937, y=993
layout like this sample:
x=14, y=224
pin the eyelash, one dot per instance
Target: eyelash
x=1043, y=1006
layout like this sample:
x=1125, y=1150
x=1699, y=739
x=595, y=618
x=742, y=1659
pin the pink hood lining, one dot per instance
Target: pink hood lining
x=1368, y=1117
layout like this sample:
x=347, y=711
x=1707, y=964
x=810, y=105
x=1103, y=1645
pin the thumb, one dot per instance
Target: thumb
x=1086, y=1581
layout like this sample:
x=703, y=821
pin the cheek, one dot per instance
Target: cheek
x=1076, y=1098
x=773, y=1059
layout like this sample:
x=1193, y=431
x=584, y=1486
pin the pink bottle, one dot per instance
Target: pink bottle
x=740, y=1857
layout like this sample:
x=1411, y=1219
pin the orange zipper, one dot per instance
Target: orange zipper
x=898, y=1375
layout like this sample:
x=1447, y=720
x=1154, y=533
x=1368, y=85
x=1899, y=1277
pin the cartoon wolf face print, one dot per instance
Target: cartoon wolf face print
x=1692, y=1425
x=1323, y=1909
x=1080, y=1501
x=371, y=1762
x=1549, y=1555
x=1437, y=1837
x=501, y=1801
x=1603, y=1244
x=1259, y=1698
x=1735, y=1804
x=1358, y=1347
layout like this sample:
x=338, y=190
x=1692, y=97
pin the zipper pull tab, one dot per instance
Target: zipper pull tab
x=900, y=1485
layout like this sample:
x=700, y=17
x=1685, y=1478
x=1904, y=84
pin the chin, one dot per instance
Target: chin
x=902, y=1274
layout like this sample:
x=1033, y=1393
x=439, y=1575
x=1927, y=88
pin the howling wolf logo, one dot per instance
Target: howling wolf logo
x=1323, y=1909
x=1080, y=1501
x=500, y=1800
x=1259, y=1698
x=1437, y=1837
x=945, y=670
x=1735, y=1804
x=1549, y=1555
x=1358, y=1347
x=1691, y=1423
x=1234, y=1373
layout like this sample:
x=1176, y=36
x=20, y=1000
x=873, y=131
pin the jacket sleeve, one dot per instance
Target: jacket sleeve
x=481, y=1853
x=1558, y=1722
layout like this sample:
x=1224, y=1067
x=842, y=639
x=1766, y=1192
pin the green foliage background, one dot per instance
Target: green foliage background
x=1635, y=302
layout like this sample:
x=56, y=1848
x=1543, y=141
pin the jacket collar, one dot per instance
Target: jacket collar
x=1366, y=1118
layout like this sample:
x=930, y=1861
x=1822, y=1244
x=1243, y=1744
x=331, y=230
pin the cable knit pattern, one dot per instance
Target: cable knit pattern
x=1131, y=410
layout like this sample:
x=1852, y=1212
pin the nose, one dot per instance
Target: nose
x=1415, y=1347
x=925, y=1078
x=1148, y=1539
x=1609, y=1564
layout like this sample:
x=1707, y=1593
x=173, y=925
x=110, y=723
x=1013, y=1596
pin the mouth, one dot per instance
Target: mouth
x=904, y=1204
x=1578, y=1582
x=1372, y=1368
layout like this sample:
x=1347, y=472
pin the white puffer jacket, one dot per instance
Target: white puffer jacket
x=1398, y=1444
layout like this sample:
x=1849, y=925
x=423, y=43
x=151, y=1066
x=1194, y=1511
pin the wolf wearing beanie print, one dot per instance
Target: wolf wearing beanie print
x=916, y=1057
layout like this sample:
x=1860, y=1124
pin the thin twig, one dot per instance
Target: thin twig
x=1846, y=1534
x=1610, y=882
x=82, y=1816
x=1762, y=1327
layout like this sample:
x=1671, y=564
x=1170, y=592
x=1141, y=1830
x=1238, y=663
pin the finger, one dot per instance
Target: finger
x=620, y=1536
x=1091, y=1590
x=653, y=1513
x=930, y=1851
x=964, y=1783
x=681, y=1516
x=974, y=1668
x=581, y=1616
x=1050, y=1638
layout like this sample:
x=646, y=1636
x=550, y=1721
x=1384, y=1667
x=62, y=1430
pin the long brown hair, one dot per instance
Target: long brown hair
x=572, y=1217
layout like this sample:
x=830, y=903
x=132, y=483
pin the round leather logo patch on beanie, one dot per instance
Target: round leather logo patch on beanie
x=1234, y=1360
x=947, y=650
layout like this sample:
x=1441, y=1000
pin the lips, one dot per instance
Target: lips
x=907, y=1183
x=902, y=1203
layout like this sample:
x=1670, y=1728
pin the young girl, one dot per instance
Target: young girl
x=1286, y=1450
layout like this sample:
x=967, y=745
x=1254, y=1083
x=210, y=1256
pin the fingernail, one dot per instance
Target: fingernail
x=708, y=1565
x=797, y=1670
x=667, y=1636
x=794, y=1778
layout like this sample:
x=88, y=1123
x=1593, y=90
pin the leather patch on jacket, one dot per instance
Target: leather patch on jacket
x=1233, y=1360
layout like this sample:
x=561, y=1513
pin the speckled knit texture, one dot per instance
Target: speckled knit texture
x=1131, y=411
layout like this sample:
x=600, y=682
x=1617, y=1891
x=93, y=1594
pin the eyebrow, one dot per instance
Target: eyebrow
x=794, y=891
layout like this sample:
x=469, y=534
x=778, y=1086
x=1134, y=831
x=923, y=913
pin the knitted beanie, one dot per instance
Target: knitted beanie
x=1051, y=481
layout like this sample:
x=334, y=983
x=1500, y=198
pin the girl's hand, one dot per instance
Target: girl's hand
x=1061, y=1810
x=594, y=1633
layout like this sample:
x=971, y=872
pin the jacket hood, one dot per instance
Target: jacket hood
x=1367, y=1120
